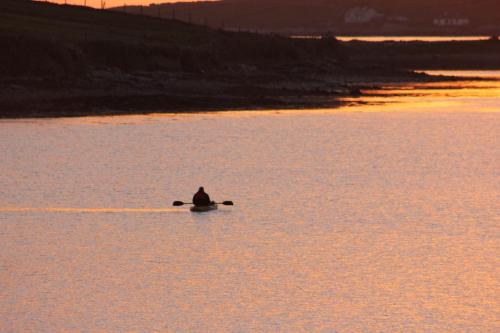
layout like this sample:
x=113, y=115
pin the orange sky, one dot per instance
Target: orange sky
x=114, y=3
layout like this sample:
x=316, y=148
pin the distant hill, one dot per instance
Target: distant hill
x=364, y=17
x=39, y=37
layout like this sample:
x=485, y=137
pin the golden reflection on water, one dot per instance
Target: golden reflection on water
x=460, y=96
x=365, y=222
x=89, y=210
x=412, y=38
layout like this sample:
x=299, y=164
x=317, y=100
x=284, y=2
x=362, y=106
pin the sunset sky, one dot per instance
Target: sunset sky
x=114, y=3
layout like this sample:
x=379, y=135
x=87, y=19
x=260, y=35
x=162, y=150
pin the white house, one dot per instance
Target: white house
x=449, y=21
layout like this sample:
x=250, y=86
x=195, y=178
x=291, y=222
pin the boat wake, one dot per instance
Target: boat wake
x=89, y=210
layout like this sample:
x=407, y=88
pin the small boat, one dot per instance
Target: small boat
x=203, y=209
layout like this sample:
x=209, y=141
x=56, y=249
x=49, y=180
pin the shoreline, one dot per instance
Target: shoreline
x=110, y=93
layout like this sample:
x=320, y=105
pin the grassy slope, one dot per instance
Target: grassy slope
x=37, y=33
x=72, y=23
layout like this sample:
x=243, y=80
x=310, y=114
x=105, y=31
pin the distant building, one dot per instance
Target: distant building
x=451, y=22
x=362, y=14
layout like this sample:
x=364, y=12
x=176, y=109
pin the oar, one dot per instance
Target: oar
x=180, y=203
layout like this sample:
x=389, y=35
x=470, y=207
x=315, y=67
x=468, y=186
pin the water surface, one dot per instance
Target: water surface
x=402, y=38
x=379, y=217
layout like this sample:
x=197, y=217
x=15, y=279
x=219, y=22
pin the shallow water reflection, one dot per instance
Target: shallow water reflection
x=459, y=96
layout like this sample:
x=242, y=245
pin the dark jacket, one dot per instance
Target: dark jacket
x=201, y=199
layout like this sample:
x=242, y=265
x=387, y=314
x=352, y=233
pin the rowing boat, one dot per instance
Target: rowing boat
x=203, y=209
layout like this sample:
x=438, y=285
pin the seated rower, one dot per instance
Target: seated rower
x=202, y=199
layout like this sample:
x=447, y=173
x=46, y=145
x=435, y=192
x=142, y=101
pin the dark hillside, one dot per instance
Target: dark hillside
x=43, y=38
x=367, y=17
x=74, y=24
x=469, y=55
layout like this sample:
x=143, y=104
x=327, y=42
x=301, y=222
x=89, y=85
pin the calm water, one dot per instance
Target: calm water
x=402, y=38
x=413, y=38
x=379, y=217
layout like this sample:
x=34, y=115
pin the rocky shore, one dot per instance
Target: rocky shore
x=113, y=92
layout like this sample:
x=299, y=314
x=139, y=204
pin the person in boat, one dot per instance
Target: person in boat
x=201, y=199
